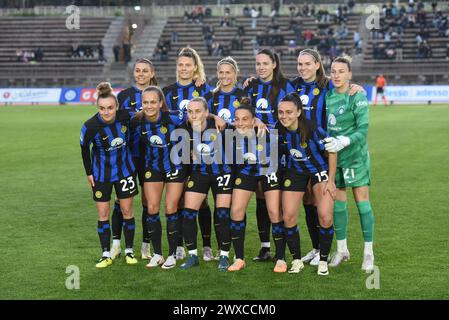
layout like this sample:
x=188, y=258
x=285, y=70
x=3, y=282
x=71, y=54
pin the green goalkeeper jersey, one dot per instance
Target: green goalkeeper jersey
x=348, y=116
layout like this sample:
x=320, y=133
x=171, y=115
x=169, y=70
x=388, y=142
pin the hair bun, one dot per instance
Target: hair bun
x=104, y=88
x=245, y=100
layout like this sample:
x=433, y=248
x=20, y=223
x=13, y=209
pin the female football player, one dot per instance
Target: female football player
x=306, y=160
x=265, y=93
x=109, y=164
x=151, y=130
x=208, y=171
x=131, y=99
x=191, y=83
x=311, y=85
x=348, y=127
x=259, y=165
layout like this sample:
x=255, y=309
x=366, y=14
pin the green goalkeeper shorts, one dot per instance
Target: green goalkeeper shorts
x=353, y=177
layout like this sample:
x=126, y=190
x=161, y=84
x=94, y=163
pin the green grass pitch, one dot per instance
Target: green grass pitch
x=48, y=220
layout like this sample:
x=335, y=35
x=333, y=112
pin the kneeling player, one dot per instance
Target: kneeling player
x=306, y=160
x=111, y=166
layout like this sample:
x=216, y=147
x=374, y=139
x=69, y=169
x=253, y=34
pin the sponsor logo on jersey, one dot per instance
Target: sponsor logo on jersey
x=250, y=157
x=262, y=104
x=183, y=105
x=117, y=143
x=304, y=99
x=331, y=120
x=225, y=114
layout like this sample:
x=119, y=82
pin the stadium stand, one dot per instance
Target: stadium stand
x=23, y=36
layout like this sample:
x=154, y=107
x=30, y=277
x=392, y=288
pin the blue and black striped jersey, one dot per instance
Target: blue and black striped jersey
x=224, y=104
x=153, y=140
x=259, y=93
x=308, y=158
x=208, y=150
x=256, y=156
x=178, y=96
x=313, y=99
x=130, y=99
x=110, y=159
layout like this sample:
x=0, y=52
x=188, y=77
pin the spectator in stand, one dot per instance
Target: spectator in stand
x=174, y=37
x=254, y=15
x=292, y=9
x=39, y=54
x=208, y=13
x=351, y=4
x=100, y=49
x=434, y=6
x=292, y=47
x=116, y=51
x=308, y=36
x=246, y=12
x=19, y=55
x=275, y=6
x=342, y=32
x=390, y=53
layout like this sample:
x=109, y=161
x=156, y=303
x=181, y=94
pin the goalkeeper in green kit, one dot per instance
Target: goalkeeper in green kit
x=348, y=127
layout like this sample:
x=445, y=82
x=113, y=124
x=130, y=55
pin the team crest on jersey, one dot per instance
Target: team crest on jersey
x=238, y=181
x=287, y=183
x=262, y=104
x=190, y=184
x=316, y=91
x=341, y=110
x=332, y=120
x=163, y=130
x=195, y=94
x=183, y=105
x=304, y=99
x=148, y=174
x=236, y=104
x=304, y=145
x=98, y=194
x=225, y=114
x=259, y=147
x=213, y=137
x=124, y=129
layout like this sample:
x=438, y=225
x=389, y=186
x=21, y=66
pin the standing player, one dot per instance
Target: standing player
x=306, y=161
x=151, y=131
x=191, y=83
x=265, y=93
x=131, y=100
x=381, y=82
x=209, y=171
x=312, y=86
x=348, y=125
x=259, y=165
x=109, y=164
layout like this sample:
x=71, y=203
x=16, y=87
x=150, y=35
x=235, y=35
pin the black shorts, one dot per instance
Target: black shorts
x=249, y=183
x=124, y=188
x=293, y=181
x=220, y=184
x=176, y=176
x=379, y=90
